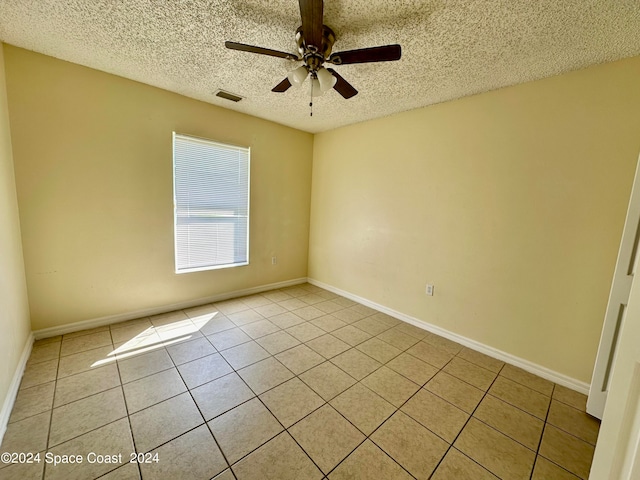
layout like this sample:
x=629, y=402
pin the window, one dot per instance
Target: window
x=211, y=204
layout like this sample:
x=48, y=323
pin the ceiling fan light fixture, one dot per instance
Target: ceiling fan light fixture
x=327, y=81
x=298, y=76
x=316, y=88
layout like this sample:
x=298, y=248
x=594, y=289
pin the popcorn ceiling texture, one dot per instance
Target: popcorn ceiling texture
x=451, y=48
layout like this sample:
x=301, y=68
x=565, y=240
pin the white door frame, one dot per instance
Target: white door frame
x=617, y=307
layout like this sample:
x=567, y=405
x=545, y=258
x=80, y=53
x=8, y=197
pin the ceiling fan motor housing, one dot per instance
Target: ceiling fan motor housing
x=314, y=56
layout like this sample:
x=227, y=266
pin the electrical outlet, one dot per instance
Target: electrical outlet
x=274, y=260
x=429, y=290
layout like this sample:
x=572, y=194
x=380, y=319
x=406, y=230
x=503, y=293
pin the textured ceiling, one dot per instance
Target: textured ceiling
x=451, y=48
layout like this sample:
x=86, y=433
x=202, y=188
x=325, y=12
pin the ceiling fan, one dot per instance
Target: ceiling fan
x=315, y=41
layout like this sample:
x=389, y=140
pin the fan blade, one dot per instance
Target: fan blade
x=343, y=87
x=259, y=50
x=385, y=53
x=311, y=13
x=283, y=86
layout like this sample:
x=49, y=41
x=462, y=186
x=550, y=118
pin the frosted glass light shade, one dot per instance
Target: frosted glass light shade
x=297, y=77
x=316, y=88
x=327, y=81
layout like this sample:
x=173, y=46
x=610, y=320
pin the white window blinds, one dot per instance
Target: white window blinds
x=211, y=204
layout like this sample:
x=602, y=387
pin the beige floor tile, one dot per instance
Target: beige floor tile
x=430, y=354
x=82, y=416
x=438, y=415
x=362, y=407
x=573, y=421
x=128, y=323
x=137, y=346
x=80, y=333
x=513, y=422
x=300, y=359
x=342, y=301
x=217, y=324
x=520, y=396
x=128, y=332
x=167, y=318
x=368, y=461
x=381, y=351
x=111, y=439
x=244, y=355
x=44, y=352
x=286, y=320
x=277, y=342
x=457, y=466
x=28, y=435
x=178, y=332
x=527, y=379
x=260, y=328
x=47, y=340
x=351, y=335
x=265, y=374
x=412, y=330
x=254, y=301
x=228, y=338
x=270, y=310
x=308, y=313
x=412, y=368
x=328, y=323
x=356, y=363
x=225, y=475
x=192, y=456
x=22, y=471
x=39, y=373
x=327, y=380
x=565, y=450
x=227, y=307
x=442, y=343
x=243, y=429
x=411, y=445
x=305, y=331
x=223, y=394
x=348, y=315
x=75, y=387
x=327, y=345
x=391, y=386
x=386, y=319
x=164, y=421
x=546, y=470
x=85, y=342
x=358, y=307
x=469, y=372
x=128, y=471
x=277, y=296
x=398, y=339
x=328, y=306
x=327, y=437
x=204, y=370
x=496, y=452
x=280, y=458
x=291, y=401
x=192, y=350
x=371, y=326
x=81, y=362
x=311, y=299
x=570, y=397
x=200, y=310
x=453, y=390
x=149, y=363
x=481, y=359
x=245, y=317
x=292, y=304
x=153, y=389
x=32, y=401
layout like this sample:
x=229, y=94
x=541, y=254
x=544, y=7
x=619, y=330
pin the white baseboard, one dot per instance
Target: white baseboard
x=121, y=317
x=531, y=367
x=12, y=393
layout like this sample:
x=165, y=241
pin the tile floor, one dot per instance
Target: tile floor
x=297, y=383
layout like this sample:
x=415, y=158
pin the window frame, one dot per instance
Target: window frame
x=175, y=204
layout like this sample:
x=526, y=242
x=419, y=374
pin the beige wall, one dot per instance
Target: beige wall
x=93, y=158
x=511, y=202
x=14, y=305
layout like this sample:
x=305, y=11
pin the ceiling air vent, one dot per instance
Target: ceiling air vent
x=228, y=96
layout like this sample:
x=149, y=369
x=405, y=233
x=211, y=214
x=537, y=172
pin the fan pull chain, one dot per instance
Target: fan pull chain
x=311, y=98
